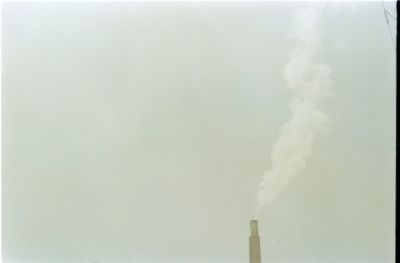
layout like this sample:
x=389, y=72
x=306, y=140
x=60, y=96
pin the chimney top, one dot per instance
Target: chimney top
x=253, y=228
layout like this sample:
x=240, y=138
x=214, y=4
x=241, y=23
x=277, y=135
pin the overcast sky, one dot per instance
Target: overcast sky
x=139, y=131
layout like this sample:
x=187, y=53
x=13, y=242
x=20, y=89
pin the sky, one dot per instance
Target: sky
x=139, y=132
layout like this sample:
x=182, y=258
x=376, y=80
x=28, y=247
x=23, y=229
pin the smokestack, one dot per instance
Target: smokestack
x=254, y=243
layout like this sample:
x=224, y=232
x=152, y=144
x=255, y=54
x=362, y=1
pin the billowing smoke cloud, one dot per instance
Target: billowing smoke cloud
x=310, y=82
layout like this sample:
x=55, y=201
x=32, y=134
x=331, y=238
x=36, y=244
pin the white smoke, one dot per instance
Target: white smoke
x=310, y=82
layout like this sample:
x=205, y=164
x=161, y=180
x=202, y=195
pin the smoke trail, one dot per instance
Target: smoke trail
x=310, y=82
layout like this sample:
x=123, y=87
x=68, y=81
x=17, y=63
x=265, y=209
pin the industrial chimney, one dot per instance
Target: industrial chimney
x=254, y=243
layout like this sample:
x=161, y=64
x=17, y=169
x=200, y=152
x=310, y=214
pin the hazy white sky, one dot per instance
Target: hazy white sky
x=139, y=131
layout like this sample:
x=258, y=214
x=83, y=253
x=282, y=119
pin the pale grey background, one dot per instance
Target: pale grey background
x=138, y=132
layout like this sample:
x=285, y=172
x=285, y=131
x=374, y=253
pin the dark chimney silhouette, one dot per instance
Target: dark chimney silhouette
x=254, y=243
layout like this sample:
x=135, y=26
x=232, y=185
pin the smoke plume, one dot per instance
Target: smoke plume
x=309, y=81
